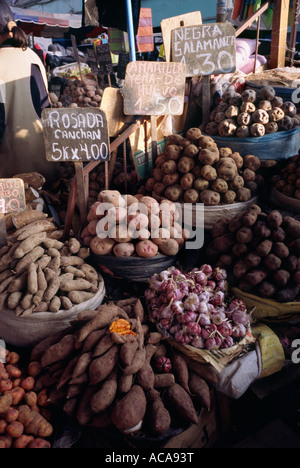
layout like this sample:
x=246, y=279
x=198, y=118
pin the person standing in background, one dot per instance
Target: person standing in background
x=24, y=94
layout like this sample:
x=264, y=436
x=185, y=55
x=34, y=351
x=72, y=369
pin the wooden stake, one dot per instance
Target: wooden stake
x=205, y=100
x=81, y=193
x=106, y=175
x=3, y=234
x=125, y=165
x=153, y=121
x=279, y=33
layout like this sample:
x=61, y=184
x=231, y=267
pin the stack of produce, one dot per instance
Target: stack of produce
x=262, y=252
x=193, y=169
x=78, y=93
x=111, y=371
x=24, y=416
x=126, y=225
x=288, y=179
x=193, y=308
x=252, y=114
x=39, y=272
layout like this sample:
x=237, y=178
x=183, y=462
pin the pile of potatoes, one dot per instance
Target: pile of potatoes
x=252, y=114
x=194, y=170
x=262, y=252
x=78, y=93
x=132, y=381
x=24, y=416
x=40, y=273
x=117, y=226
x=288, y=179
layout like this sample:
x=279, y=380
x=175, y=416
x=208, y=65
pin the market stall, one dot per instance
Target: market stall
x=142, y=291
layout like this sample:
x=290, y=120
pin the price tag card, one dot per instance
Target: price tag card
x=75, y=135
x=154, y=88
x=105, y=66
x=12, y=196
x=208, y=49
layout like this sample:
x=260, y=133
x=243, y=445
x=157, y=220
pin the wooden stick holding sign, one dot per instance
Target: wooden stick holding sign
x=154, y=89
x=76, y=135
x=76, y=54
x=12, y=200
x=206, y=50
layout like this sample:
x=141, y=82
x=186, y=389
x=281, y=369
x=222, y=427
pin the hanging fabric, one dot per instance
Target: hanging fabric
x=144, y=38
x=110, y=13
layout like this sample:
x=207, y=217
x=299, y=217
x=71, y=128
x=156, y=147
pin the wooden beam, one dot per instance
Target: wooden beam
x=279, y=33
x=252, y=18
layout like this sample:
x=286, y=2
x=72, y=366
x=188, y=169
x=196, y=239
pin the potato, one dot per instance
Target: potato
x=209, y=173
x=191, y=196
x=264, y=248
x=210, y=197
x=170, y=247
x=200, y=184
x=229, y=197
x=191, y=150
x=126, y=249
x=146, y=249
x=187, y=181
x=226, y=169
x=185, y=164
x=169, y=167
x=102, y=246
x=244, y=194
x=173, y=193
x=209, y=156
x=219, y=185
x=281, y=278
x=251, y=162
x=170, y=179
x=172, y=152
x=281, y=250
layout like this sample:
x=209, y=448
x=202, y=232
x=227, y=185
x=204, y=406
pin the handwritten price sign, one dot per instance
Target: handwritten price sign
x=12, y=196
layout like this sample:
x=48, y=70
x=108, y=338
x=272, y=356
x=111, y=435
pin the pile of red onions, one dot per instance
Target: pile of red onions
x=193, y=308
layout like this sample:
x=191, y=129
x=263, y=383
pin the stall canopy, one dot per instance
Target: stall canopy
x=49, y=19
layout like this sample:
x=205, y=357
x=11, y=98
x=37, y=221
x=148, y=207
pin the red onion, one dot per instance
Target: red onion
x=198, y=342
x=193, y=328
x=225, y=329
x=239, y=331
x=240, y=317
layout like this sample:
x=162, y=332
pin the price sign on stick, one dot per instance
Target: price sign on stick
x=105, y=66
x=208, y=49
x=76, y=135
x=154, y=88
x=12, y=200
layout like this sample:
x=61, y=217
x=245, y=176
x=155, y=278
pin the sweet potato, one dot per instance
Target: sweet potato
x=59, y=351
x=159, y=419
x=127, y=352
x=181, y=371
x=145, y=376
x=104, y=344
x=164, y=380
x=199, y=387
x=182, y=403
x=23, y=441
x=102, y=366
x=205, y=371
x=17, y=395
x=105, y=396
x=106, y=313
x=82, y=364
x=137, y=362
x=29, y=244
x=125, y=383
x=130, y=410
